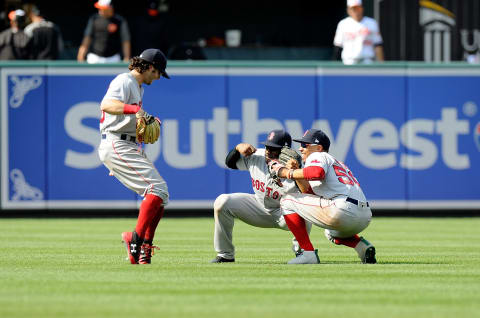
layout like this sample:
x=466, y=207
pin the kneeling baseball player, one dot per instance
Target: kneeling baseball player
x=331, y=198
x=261, y=209
x=124, y=123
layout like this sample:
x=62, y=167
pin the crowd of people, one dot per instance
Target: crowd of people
x=107, y=37
x=31, y=37
x=39, y=40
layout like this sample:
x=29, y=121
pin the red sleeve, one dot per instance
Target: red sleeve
x=313, y=173
x=130, y=109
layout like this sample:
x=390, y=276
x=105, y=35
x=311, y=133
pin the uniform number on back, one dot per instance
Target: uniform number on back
x=344, y=174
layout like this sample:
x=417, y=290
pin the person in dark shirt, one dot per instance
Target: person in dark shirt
x=14, y=43
x=46, y=37
x=106, y=37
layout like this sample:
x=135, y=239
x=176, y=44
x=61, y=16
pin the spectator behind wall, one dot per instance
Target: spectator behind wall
x=357, y=39
x=106, y=38
x=14, y=43
x=46, y=37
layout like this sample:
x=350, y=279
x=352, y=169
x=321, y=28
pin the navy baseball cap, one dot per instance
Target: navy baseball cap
x=315, y=136
x=278, y=139
x=157, y=58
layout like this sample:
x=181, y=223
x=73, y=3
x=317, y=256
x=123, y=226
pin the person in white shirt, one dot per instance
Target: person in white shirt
x=358, y=39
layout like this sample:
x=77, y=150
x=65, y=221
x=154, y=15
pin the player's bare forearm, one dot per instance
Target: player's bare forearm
x=126, y=47
x=303, y=185
x=82, y=50
x=112, y=106
x=246, y=149
x=379, y=53
x=295, y=174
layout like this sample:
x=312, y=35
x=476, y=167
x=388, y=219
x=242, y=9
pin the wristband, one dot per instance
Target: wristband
x=130, y=109
x=290, y=174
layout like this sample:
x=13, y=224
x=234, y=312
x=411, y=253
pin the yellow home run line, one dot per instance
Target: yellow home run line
x=436, y=7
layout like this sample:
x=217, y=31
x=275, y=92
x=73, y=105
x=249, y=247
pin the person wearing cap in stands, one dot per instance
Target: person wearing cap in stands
x=14, y=43
x=357, y=39
x=106, y=37
x=124, y=158
x=47, y=43
x=261, y=209
x=331, y=198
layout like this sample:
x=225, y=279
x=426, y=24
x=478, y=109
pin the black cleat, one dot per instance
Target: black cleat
x=370, y=256
x=133, y=245
x=146, y=253
x=220, y=259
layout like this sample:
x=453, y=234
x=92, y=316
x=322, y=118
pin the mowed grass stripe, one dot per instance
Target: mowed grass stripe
x=77, y=268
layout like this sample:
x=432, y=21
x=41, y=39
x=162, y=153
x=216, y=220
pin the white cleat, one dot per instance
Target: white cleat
x=307, y=257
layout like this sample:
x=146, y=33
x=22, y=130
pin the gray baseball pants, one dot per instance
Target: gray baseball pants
x=243, y=206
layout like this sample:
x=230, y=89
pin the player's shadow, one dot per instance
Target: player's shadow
x=380, y=262
x=345, y=262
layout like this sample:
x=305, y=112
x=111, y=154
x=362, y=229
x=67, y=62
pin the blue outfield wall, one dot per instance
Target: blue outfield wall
x=409, y=132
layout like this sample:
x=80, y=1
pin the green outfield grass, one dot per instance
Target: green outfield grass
x=77, y=268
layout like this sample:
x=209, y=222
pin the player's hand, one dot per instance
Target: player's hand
x=140, y=113
x=246, y=149
x=292, y=164
x=274, y=167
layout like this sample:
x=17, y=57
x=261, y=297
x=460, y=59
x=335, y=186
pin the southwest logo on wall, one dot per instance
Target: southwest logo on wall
x=437, y=23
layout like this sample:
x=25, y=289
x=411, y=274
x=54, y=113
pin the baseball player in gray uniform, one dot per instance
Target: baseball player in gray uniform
x=261, y=209
x=124, y=158
x=331, y=198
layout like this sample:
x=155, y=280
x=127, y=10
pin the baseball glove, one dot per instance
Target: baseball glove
x=273, y=167
x=288, y=153
x=148, y=128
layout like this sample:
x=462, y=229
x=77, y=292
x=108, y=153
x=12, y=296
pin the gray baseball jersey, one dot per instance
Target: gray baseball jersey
x=261, y=209
x=338, y=180
x=267, y=191
x=338, y=203
x=124, y=158
x=124, y=88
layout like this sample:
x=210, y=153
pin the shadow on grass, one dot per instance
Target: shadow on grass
x=329, y=262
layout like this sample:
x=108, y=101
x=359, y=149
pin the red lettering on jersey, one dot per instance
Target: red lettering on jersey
x=364, y=31
x=103, y=117
x=253, y=183
x=262, y=184
x=315, y=161
x=275, y=195
x=344, y=174
x=269, y=190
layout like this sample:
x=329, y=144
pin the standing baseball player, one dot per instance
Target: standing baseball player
x=124, y=123
x=357, y=39
x=331, y=198
x=261, y=209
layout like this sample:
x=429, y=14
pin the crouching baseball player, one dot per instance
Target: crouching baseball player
x=331, y=198
x=124, y=123
x=261, y=209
